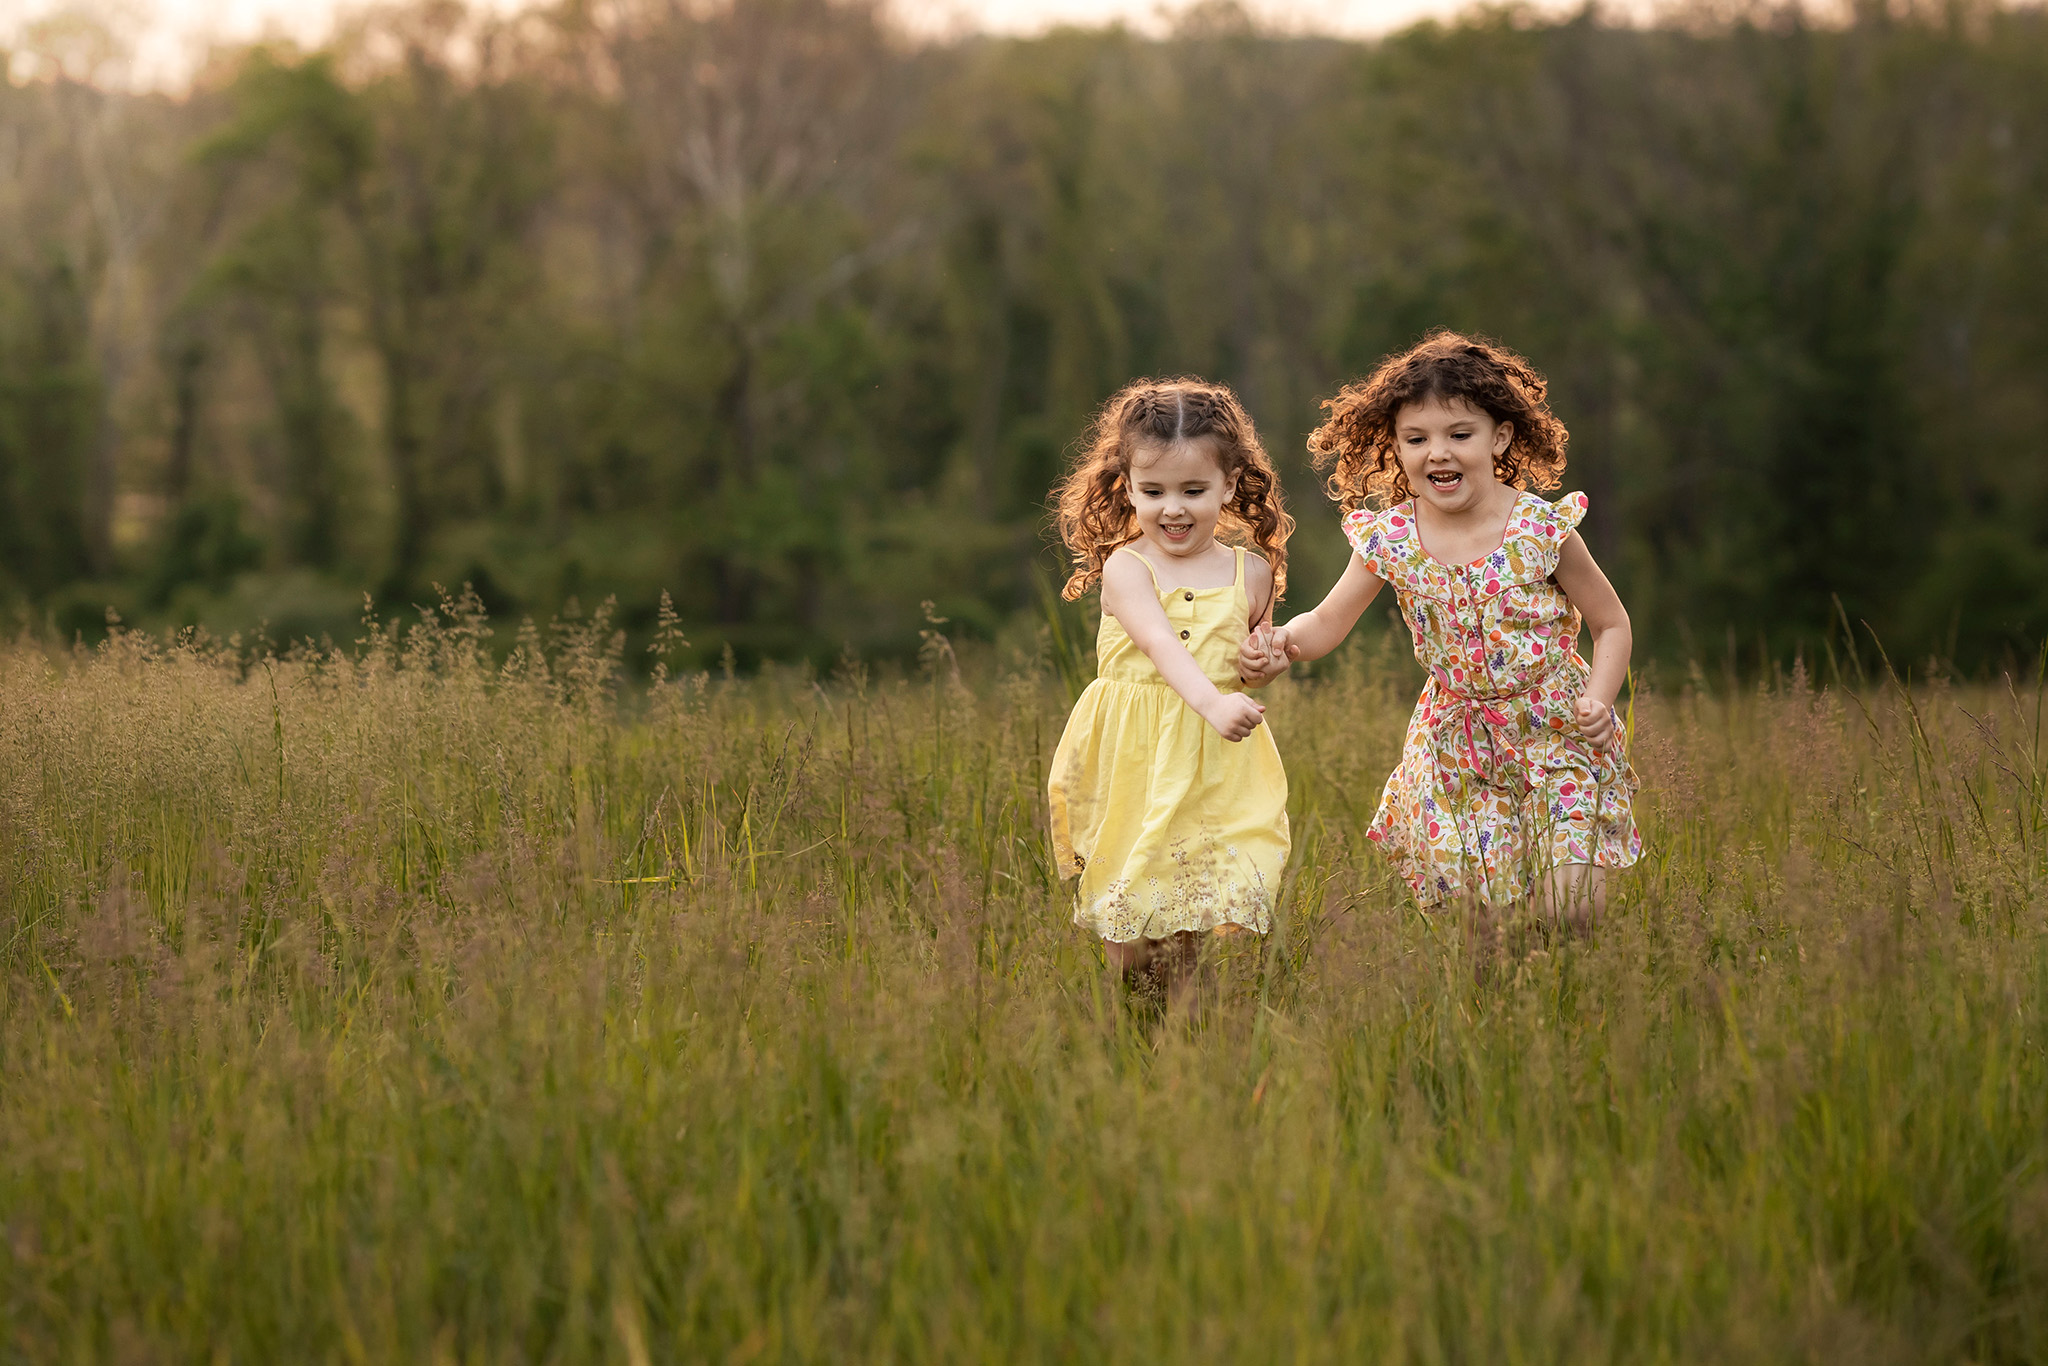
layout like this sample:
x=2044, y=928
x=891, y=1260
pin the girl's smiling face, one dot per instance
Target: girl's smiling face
x=1447, y=450
x=1179, y=492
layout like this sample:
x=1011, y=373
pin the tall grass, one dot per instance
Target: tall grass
x=396, y=1005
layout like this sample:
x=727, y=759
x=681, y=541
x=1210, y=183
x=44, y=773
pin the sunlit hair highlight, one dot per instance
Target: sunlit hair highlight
x=1092, y=504
x=1356, y=441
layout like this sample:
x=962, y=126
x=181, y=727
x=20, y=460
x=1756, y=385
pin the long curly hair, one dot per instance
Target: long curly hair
x=1092, y=504
x=1356, y=441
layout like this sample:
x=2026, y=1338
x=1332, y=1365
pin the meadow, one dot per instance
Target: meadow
x=411, y=1002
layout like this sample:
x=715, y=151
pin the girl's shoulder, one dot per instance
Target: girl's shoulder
x=1538, y=516
x=1534, y=537
x=1258, y=578
x=1381, y=536
x=1132, y=562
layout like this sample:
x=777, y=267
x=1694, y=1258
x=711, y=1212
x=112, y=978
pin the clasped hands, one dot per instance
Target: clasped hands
x=1264, y=655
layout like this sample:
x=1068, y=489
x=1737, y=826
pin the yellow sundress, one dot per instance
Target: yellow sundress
x=1169, y=826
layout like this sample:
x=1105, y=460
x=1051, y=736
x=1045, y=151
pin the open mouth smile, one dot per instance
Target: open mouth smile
x=1446, y=479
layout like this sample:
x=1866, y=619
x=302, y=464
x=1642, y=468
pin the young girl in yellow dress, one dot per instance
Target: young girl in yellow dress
x=1514, y=783
x=1167, y=796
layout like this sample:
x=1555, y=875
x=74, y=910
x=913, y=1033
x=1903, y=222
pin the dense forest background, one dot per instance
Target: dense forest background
x=767, y=305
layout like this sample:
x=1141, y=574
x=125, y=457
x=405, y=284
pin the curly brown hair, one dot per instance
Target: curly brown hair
x=1092, y=504
x=1356, y=441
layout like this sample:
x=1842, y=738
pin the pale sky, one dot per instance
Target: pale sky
x=168, y=37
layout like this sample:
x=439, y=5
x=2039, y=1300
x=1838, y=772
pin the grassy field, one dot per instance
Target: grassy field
x=399, y=1006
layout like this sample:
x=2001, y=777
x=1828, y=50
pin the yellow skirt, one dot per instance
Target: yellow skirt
x=1169, y=826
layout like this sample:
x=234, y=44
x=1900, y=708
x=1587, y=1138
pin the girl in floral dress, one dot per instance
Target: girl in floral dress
x=1514, y=781
x=1168, y=801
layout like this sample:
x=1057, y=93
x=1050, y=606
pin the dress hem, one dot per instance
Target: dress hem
x=1250, y=926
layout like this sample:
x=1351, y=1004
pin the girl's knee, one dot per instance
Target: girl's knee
x=1576, y=893
x=1127, y=955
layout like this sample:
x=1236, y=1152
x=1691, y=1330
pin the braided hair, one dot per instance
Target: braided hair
x=1092, y=504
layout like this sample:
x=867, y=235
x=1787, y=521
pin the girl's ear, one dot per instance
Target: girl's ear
x=1229, y=487
x=1503, y=437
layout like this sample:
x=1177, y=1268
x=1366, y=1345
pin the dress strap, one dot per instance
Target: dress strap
x=1239, y=583
x=1147, y=563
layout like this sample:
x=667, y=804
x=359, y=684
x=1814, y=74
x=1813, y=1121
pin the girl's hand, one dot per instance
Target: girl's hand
x=1596, y=722
x=1255, y=659
x=1264, y=656
x=1234, y=715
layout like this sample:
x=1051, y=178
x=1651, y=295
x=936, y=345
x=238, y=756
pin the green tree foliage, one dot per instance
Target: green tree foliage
x=278, y=273
x=47, y=404
x=764, y=304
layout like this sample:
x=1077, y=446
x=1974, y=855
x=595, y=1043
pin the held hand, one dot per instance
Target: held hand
x=1255, y=664
x=1265, y=655
x=1235, y=716
x=1596, y=722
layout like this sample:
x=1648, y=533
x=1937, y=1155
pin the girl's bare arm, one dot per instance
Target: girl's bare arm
x=1315, y=633
x=1607, y=622
x=1127, y=595
x=1258, y=590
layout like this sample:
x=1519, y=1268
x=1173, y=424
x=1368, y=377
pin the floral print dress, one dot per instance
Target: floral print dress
x=1495, y=785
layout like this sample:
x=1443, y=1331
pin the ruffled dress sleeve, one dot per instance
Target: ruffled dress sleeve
x=1544, y=528
x=1379, y=538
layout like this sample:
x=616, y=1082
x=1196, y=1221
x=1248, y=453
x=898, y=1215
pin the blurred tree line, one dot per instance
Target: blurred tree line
x=765, y=304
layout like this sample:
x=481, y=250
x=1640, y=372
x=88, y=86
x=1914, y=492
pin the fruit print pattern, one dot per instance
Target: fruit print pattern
x=1495, y=785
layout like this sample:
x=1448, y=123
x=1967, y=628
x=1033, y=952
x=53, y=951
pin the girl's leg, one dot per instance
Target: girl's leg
x=1129, y=958
x=1181, y=958
x=1174, y=962
x=1482, y=935
x=1574, y=896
